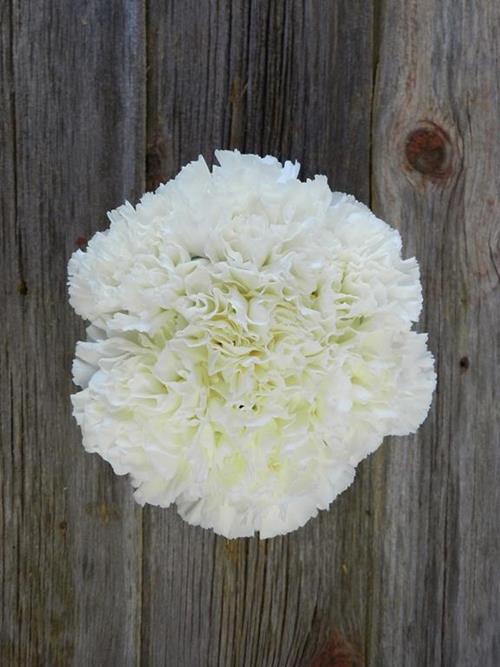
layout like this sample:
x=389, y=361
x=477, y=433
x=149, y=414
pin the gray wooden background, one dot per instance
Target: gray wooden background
x=397, y=102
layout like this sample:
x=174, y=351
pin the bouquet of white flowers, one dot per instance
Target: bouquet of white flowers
x=249, y=344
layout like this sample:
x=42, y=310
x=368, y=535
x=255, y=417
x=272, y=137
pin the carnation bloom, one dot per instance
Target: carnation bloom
x=249, y=344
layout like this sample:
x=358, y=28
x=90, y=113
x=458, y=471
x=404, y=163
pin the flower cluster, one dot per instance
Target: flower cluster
x=249, y=344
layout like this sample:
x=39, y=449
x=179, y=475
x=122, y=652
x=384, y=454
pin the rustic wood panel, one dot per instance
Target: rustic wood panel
x=100, y=100
x=72, y=128
x=436, y=599
x=293, y=79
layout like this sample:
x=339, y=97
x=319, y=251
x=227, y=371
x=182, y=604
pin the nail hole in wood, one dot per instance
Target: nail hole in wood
x=464, y=363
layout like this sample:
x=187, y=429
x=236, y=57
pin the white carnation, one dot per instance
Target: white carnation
x=250, y=343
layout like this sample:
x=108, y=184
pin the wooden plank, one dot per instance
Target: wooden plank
x=404, y=568
x=293, y=79
x=436, y=591
x=72, y=128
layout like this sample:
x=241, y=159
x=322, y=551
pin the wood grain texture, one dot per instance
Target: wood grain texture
x=290, y=79
x=436, y=161
x=100, y=100
x=72, y=147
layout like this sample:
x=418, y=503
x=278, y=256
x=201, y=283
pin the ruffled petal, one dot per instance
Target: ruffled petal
x=250, y=344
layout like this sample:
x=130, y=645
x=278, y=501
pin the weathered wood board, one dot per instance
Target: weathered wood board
x=397, y=103
x=72, y=144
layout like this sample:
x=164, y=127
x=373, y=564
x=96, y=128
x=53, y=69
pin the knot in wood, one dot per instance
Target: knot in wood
x=428, y=150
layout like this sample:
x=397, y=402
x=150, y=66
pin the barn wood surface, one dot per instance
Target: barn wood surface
x=396, y=103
